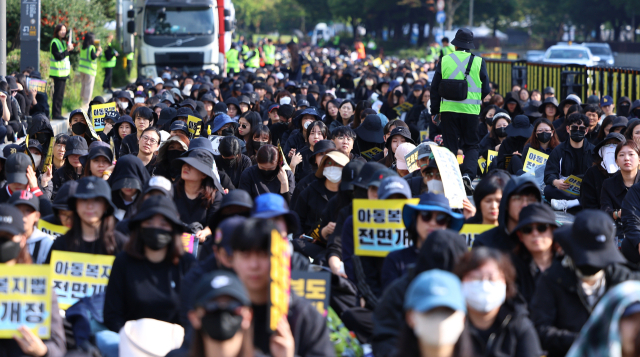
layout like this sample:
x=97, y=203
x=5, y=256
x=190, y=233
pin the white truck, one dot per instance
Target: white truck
x=178, y=33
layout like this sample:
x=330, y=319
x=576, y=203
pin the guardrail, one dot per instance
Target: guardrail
x=566, y=79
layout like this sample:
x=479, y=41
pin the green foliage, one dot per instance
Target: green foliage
x=13, y=62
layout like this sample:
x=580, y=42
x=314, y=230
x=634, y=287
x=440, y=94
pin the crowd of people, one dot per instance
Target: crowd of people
x=287, y=146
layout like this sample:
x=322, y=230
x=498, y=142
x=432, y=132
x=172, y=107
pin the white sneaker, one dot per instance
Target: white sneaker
x=573, y=203
x=559, y=205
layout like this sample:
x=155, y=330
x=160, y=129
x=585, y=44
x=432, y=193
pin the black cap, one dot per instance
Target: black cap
x=366, y=173
x=314, y=89
x=549, y=90
x=350, y=173
x=371, y=129
x=321, y=147
x=424, y=150
x=15, y=168
x=65, y=191
x=10, y=149
x=536, y=213
x=244, y=99
x=23, y=197
x=98, y=151
x=156, y=204
x=76, y=145
x=220, y=107
x=520, y=126
x=11, y=219
x=220, y=283
x=224, y=232
x=464, y=39
x=380, y=175
x=180, y=125
x=237, y=197
x=399, y=130
x=188, y=102
x=184, y=111
x=286, y=111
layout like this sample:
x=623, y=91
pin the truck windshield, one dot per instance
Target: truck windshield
x=170, y=21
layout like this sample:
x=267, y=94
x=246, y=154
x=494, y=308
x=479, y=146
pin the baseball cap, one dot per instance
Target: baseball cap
x=23, y=197
x=159, y=183
x=220, y=283
x=401, y=151
x=435, y=288
x=606, y=100
x=424, y=150
x=179, y=125
x=349, y=174
x=16, y=168
x=392, y=185
x=224, y=232
x=549, y=90
x=380, y=175
x=11, y=219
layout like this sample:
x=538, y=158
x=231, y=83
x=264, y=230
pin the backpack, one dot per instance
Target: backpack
x=344, y=343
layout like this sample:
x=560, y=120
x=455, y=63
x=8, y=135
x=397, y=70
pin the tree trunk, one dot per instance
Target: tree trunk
x=354, y=24
x=421, y=38
x=495, y=26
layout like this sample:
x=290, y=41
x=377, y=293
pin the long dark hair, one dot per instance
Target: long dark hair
x=357, y=116
x=295, y=55
x=207, y=191
x=69, y=172
x=254, y=120
x=106, y=232
x=628, y=133
x=327, y=118
x=533, y=140
x=89, y=39
x=323, y=129
x=135, y=245
x=57, y=29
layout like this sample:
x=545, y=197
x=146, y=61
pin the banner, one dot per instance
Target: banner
x=450, y=172
x=194, y=124
x=99, y=112
x=412, y=159
x=25, y=300
x=91, y=128
x=369, y=154
x=49, y=158
x=52, y=229
x=190, y=243
x=470, y=231
x=315, y=287
x=574, y=185
x=38, y=84
x=424, y=135
x=78, y=275
x=482, y=163
x=378, y=228
x=534, y=158
x=280, y=279
x=492, y=155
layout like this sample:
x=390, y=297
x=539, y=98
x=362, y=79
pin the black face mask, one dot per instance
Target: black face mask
x=623, y=110
x=79, y=128
x=221, y=325
x=397, y=93
x=155, y=238
x=577, y=135
x=229, y=162
x=269, y=175
x=173, y=154
x=9, y=250
x=501, y=132
x=588, y=270
x=543, y=137
x=227, y=132
x=42, y=138
x=488, y=121
x=256, y=145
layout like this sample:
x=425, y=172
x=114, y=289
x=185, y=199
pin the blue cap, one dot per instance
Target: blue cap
x=179, y=125
x=432, y=289
x=435, y=203
x=270, y=205
x=201, y=143
x=606, y=100
x=221, y=120
x=392, y=185
x=272, y=107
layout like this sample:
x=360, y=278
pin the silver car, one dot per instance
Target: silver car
x=602, y=53
x=569, y=54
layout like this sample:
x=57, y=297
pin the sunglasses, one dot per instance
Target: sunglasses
x=579, y=128
x=540, y=227
x=442, y=219
x=243, y=126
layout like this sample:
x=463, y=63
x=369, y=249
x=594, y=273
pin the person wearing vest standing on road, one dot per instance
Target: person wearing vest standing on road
x=446, y=48
x=269, y=52
x=108, y=62
x=88, y=67
x=455, y=111
x=60, y=67
x=233, y=60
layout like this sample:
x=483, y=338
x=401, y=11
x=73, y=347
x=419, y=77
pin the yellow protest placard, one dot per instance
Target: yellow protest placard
x=534, y=158
x=25, y=300
x=315, y=287
x=94, y=135
x=77, y=275
x=369, y=154
x=99, y=112
x=49, y=158
x=574, y=185
x=412, y=159
x=51, y=229
x=403, y=108
x=37, y=84
x=194, y=124
x=460, y=159
x=378, y=227
x=424, y=135
x=492, y=155
x=450, y=171
x=470, y=231
x=280, y=279
x=482, y=163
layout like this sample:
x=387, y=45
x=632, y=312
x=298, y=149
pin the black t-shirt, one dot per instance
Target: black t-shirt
x=63, y=243
x=578, y=156
x=261, y=332
x=195, y=210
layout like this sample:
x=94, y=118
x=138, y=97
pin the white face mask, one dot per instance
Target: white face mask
x=187, y=89
x=400, y=80
x=285, y=100
x=123, y=105
x=138, y=100
x=438, y=328
x=333, y=173
x=484, y=295
x=37, y=159
x=435, y=186
x=608, y=155
x=410, y=81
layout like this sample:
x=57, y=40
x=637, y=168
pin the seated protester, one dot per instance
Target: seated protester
x=233, y=108
x=397, y=136
x=126, y=183
x=591, y=112
x=231, y=160
x=300, y=164
x=512, y=106
x=549, y=109
x=486, y=119
x=320, y=149
x=426, y=310
x=268, y=175
x=535, y=250
x=93, y=227
x=519, y=192
x=38, y=242
x=633, y=131
x=165, y=118
x=499, y=324
x=401, y=164
x=40, y=129
x=346, y=111
x=123, y=127
x=619, y=125
x=605, y=127
x=147, y=148
x=143, y=118
x=251, y=261
x=247, y=125
x=298, y=137
x=43, y=174
x=343, y=138
x=19, y=176
x=97, y=162
x=572, y=157
x=418, y=183
x=430, y=214
x=615, y=189
x=561, y=123
x=568, y=291
x=221, y=125
x=72, y=169
x=170, y=150
x=59, y=149
x=543, y=138
x=370, y=137
x=487, y=197
x=110, y=120
x=14, y=250
x=179, y=127
x=518, y=132
x=604, y=166
x=564, y=109
x=497, y=134
x=146, y=278
x=62, y=215
x=79, y=126
x=282, y=130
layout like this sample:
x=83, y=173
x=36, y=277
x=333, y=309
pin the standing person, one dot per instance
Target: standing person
x=60, y=67
x=460, y=118
x=269, y=52
x=233, y=61
x=88, y=67
x=108, y=62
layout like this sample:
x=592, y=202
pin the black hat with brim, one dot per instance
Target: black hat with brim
x=536, y=213
x=201, y=160
x=591, y=242
x=156, y=204
x=551, y=100
x=321, y=147
x=92, y=187
x=402, y=131
x=520, y=126
x=349, y=174
x=371, y=129
x=464, y=39
x=610, y=136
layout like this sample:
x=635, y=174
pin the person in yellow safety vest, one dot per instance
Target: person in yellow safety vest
x=59, y=67
x=446, y=47
x=233, y=60
x=88, y=67
x=458, y=119
x=269, y=52
x=252, y=58
x=108, y=62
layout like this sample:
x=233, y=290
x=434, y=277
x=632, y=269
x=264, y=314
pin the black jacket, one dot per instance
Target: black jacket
x=234, y=172
x=301, y=186
x=487, y=143
x=631, y=224
x=305, y=168
x=311, y=203
x=417, y=186
x=509, y=145
x=613, y=193
x=558, y=308
x=334, y=241
x=252, y=181
x=591, y=187
x=527, y=273
x=129, y=145
x=59, y=178
x=562, y=163
x=592, y=135
x=294, y=141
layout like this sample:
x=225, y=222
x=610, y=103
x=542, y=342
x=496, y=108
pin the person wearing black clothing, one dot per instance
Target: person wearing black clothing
x=320, y=149
x=171, y=149
x=518, y=132
x=591, y=112
x=543, y=138
x=72, y=169
x=62, y=215
x=486, y=118
x=146, y=278
x=370, y=137
x=300, y=164
x=496, y=135
x=147, y=148
x=298, y=138
x=512, y=106
x=143, y=118
x=122, y=128
x=93, y=230
x=604, y=166
x=126, y=181
x=268, y=175
x=231, y=160
x=59, y=33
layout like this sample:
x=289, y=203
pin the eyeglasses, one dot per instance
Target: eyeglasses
x=540, y=227
x=433, y=175
x=581, y=128
x=149, y=140
x=442, y=219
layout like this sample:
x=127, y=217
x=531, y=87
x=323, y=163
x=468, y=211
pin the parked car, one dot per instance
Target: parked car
x=569, y=54
x=602, y=53
x=535, y=56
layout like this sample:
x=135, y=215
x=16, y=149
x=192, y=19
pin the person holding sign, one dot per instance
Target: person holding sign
x=510, y=152
x=487, y=197
x=13, y=250
x=497, y=134
x=543, y=138
x=604, y=166
x=370, y=137
x=575, y=156
x=62, y=217
x=38, y=242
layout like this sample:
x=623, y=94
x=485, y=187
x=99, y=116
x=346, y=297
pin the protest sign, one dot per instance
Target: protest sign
x=78, y=275
x=424, y=135
x=574, y=185
x=194, y=124
x=492, y=155
x=39, y=85
x=314, y=287
x=99, y=112
x=470, y=231
x=534, y=158
x=280, y=279
x=190, y=243
x=49, y=158
x=450, y=172
x=412, y=159
x=52, y=229
x=369, y=154
x=482, y=163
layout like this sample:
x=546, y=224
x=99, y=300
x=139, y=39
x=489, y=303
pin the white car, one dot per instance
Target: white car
x=569, y=54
